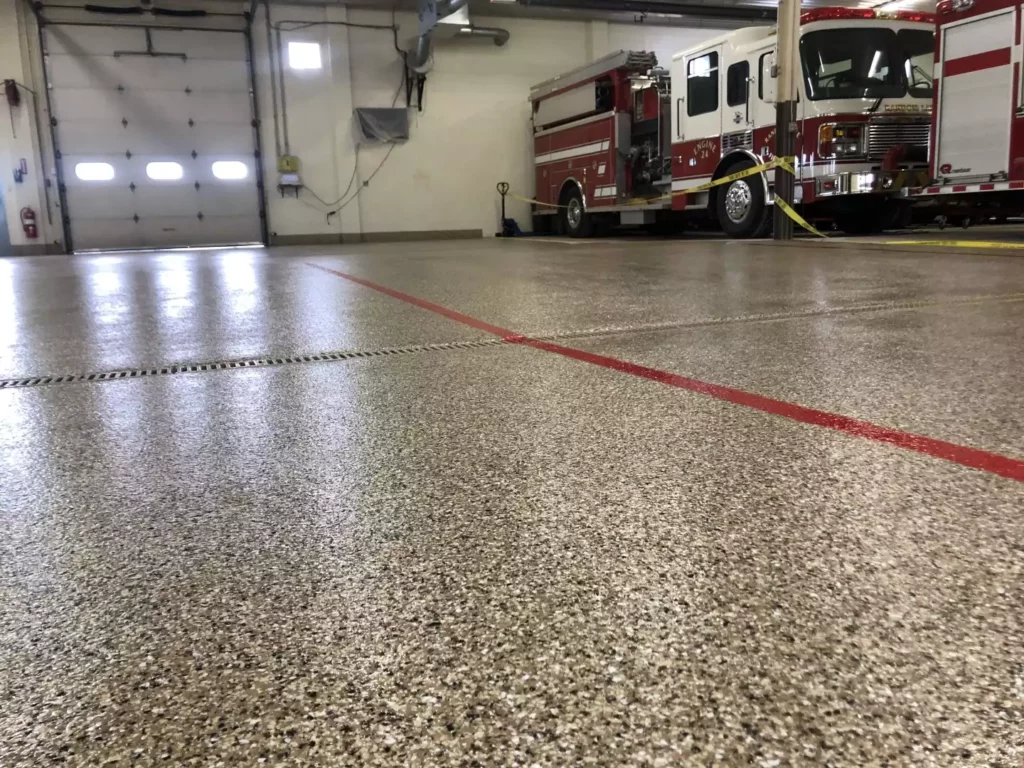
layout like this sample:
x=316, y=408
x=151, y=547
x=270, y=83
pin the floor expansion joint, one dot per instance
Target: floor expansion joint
x=274, y=361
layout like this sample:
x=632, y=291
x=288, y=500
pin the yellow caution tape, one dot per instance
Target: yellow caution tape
x=796, y=217
x=950, y=243
x=785, y=163
x=536, y=202
x=778, y=162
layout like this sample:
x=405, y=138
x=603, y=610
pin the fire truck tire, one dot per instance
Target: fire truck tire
x=575, y=220
x=740, y=207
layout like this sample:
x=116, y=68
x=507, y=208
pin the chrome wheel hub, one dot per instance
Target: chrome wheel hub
x=737, y=200
x=574, y=213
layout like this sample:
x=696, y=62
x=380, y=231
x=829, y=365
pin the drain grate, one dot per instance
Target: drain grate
x=225, y=365
x=323, y=357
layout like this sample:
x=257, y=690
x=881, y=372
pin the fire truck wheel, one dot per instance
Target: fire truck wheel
x=575, y=221
x=741, y=205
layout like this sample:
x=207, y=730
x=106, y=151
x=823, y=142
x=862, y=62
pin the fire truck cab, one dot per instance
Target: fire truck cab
x=863, y=118
x=620, y=140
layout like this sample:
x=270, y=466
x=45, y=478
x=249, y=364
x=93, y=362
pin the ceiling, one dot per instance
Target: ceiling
x=709, y=13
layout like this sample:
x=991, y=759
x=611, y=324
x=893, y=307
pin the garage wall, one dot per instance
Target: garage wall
x=17, y=52
x=474, y=130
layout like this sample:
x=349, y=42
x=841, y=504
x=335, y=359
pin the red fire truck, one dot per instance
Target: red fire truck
x=618, y=140
x=977, y=159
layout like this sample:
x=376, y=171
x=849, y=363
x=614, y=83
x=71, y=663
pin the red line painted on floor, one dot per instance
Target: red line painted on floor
x=451, y=314
x=1004, y=466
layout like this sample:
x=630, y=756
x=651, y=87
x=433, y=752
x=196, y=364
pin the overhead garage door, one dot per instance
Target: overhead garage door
x=155, y=150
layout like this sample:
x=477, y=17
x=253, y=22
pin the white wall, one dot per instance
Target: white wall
x=17, y=53
x=474, y=131
x=664, y=41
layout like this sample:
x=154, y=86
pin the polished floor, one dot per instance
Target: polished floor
x=595, y=503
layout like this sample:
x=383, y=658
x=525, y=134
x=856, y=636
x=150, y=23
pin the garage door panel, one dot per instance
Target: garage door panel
x=107, y=233
x=215, y=140
x=100, y=201
x=222, y=107
x=128, y=72
x=171, y=200
x=85, y=41
x=86, y=103
x=166, y=231
x=201, y=45
x=177, y=106
x=222, y=201
x=93, y=137
x=209, y=75
x=146, y=75
x=129, y=111
x=87, y=72
x=138, y=137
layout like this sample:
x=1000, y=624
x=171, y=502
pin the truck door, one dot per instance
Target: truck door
x=738, y=113
x=975, y=99
x=702, y=102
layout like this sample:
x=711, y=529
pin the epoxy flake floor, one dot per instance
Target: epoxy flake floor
x=565, y=542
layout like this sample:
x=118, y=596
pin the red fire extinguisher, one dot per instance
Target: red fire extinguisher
x=28, y=222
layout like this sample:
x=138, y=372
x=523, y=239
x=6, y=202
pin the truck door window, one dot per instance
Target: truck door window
x=736, y=83
x=764, y=74
x=702, y=84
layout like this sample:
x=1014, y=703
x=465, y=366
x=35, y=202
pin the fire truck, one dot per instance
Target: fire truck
x=619, y=140
x=977, y=158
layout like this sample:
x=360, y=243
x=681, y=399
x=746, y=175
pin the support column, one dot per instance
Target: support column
x=787, y=62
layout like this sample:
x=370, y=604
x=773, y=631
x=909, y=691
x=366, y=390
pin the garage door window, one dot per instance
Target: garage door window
x=230, y=169
x=164, y=171
x=94, y=171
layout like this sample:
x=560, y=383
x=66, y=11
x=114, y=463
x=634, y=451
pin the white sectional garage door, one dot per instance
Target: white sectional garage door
x=155, y=151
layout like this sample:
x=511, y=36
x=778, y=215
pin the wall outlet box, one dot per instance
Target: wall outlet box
x=289, y=180
x=288, y=164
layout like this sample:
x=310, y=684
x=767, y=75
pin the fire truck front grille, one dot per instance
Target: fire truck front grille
x=741, y=140
x=884, y=135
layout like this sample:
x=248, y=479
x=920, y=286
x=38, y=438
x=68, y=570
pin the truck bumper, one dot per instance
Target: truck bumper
x=868, y=182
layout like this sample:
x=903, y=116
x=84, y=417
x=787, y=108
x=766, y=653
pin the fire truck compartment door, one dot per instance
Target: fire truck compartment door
x=975, y=99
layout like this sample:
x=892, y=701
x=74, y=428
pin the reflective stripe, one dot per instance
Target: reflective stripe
x=566, y=154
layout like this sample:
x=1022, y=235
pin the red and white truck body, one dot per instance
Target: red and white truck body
x=977, y=158
x=612, y=132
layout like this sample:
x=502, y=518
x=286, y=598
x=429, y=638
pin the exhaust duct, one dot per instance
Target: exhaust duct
x=433, y=13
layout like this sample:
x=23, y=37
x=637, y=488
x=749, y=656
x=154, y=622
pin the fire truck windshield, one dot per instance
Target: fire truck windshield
x=867, y=63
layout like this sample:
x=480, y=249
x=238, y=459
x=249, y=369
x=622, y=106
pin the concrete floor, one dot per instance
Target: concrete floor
x=539, y=551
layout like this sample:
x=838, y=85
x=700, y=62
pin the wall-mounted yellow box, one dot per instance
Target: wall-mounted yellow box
x=287, y=164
